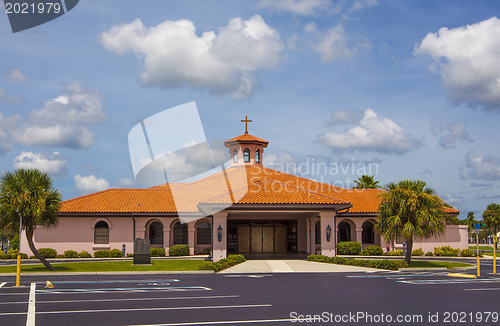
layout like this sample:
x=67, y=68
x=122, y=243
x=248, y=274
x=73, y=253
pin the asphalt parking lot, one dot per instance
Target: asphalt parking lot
x=247, y=299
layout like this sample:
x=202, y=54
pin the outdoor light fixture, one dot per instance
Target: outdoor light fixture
x=219, y=233
x=328, y=232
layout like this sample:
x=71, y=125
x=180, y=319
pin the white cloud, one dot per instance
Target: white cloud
x=300, y=7
x=345, y=116
x=331, y=45
x=467, y=59
x=450, y=133
x=52, y=163
x=89, y=184
x=223, y=62
x=359, y=5
x=374, y=133
x=453, y=200
x=63, y=120
x=16, y=76
x=6, y=125
x=126, y=183
x=485, y=167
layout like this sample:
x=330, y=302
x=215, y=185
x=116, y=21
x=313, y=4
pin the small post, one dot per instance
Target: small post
x=18, y=274
x=123, y=250
x=494, y=254
x=477, y=250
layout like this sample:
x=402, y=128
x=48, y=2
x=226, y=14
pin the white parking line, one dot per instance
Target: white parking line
x=483, y=289
x=221, y=322
x=129, y=299
x=139, y=309
x=2, y=284
x=30, y=320
x=125, y=290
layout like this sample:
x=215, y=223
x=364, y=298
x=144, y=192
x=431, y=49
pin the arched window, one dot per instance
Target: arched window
x=344, y=232
x=368, y=234
x=204, y=233
x=317, y=232
x=257, y=156
x=101, y=233
x=156, y=233
x=246, y=155
x=180, y=233
x=235, y=156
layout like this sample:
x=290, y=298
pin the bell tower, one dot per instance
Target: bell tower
x=246, y=149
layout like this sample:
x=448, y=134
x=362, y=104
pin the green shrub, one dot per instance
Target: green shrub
x=372, y=251
x=205, y=251
x=341, y=261
x=238, y=258
x=70, y=254
x=101, y=254
x=179, y=250
x=14, y=243
x=130, y=255
x=394, y=253
x=12, y=254
x=115, y=253
x=32, y=257
x=319, y=258
x=47, y=252
x=446, y=251
x=84, y=254
x=417, y=252
x=157, y=252
x=223, y=263
x=467, y=253
x=59, y=256
x=348, y=248
x=381, y=264
x=429, y=253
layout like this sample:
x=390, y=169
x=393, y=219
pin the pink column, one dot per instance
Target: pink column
x=166, y=239
x=308, y=239
x=219, y=250
x=191, y=239
x=327, y=219
x=359, y=235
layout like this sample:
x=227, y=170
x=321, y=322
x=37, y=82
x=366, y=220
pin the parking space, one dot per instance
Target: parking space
x=121, y=302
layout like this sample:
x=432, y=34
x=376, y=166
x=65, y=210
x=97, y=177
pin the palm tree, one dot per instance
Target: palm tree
x=366, y=182
x=491, y=217
x=28, y=195
x=410, y=209
x=471, y=217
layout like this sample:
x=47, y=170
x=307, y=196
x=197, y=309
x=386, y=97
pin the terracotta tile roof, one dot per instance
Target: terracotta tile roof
x=246, y=138
x=250, y=184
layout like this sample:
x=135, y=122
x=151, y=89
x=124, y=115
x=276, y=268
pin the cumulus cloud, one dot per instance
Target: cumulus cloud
x=450, y=133
x=51, y=163
x=281, y=161
x=345, y=116
x=16, y=76
x=63, y=120
x=485, y=167
x=90, y=184
x=373, y=133
x=453, y=200
x=224, y=62
x=467, y=59
x=6, y=124
x=331, y=44
x=299, y=7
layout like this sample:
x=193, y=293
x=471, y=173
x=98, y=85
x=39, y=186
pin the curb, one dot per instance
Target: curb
x=109, y=273
x=430, y=269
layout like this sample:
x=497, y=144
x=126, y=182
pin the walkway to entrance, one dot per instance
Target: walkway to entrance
x=291, y=266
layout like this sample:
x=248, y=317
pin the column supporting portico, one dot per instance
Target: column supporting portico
x=219, y=248
x=327, y=218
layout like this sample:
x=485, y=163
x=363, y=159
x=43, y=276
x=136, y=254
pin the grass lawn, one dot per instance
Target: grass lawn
x=481, y=247
x=110, y=266
x=428, y=263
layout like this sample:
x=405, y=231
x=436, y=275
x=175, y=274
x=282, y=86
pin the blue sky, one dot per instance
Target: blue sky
x=400, y=89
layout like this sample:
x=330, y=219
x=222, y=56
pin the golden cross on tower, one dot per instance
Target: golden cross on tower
x=246, y=121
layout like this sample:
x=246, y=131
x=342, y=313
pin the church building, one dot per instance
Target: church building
x=245, y=208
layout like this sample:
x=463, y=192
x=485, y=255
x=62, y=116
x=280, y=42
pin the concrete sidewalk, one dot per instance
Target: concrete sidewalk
x=291, y=266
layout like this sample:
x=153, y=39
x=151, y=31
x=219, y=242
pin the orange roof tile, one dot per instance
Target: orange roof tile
x=246, y=138
x=250, y=184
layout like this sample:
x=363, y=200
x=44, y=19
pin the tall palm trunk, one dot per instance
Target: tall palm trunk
x=29, y=237
x=409, y=248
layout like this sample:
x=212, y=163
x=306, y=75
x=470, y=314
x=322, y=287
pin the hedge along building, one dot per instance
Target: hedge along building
x=247, y=208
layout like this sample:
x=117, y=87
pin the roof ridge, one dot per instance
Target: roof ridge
x=310, y=191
